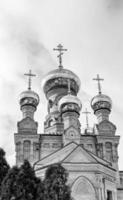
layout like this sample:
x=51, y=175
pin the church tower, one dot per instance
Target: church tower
x=55, y=86
x=70, y=107
x=107, y=141
x=26, y=138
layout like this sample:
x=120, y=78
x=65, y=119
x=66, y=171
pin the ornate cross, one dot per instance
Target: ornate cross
x=98, y=79
x=30, y=75
x=60, y=50
x=86, y=114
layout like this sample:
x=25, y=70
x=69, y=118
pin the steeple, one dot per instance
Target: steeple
x=26, y=138
x=55, y=86
x=29, y=99
x=101, y=104
x=70, y=107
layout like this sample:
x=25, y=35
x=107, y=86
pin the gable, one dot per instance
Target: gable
x=79, y=155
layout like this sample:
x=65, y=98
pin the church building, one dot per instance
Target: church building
x=91, y=158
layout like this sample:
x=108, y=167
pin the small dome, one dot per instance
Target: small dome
x=60, y=73
x=101, y=101
x=70, y=99
x=29, y=97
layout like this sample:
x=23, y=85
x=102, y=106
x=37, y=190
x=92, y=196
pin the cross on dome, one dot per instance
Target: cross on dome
x=86, y=112
x=98, y=79
x=30, y=75
x=60, y=49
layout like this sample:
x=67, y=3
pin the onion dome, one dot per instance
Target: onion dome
x=58, y=78
x=101, y=101
x=70, y=99
x=70, y=102
x=29, y=97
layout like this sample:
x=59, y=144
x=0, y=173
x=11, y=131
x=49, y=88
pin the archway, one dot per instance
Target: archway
x=82, y=189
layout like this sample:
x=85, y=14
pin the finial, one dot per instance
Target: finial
x=30, y=75
x=60, y=50
x=98, y=79
x=86, y=113
x=69, y=91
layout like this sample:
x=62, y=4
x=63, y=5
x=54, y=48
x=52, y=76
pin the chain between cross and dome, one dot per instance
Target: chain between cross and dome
x=60, y=49
x=30, y=75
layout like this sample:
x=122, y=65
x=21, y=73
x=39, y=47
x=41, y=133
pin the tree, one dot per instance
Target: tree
x=55, y=183
x=27, y=182
x=21, y=184
x=4, y=166
x=9, y=185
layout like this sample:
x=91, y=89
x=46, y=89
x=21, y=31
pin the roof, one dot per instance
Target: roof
x=71, y=153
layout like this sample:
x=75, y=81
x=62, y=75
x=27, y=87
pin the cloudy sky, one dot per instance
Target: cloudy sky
x=92, y=31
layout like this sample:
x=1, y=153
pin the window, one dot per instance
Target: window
x=35, y=150
x=108, y=147
x=26, y=149
x=18, y=147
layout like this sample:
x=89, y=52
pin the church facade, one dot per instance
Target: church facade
x=91, y=158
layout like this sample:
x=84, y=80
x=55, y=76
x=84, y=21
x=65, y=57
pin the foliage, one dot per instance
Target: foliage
x=9, y=185
x=55, y=183
x=4, y=166
x=21, y=184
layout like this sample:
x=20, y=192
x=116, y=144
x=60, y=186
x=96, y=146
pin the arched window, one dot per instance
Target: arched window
x=26, y=149
x=18, y=147
x=108, y=147
x=36, y=150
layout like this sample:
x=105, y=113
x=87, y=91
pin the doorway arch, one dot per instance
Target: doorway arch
x=83, y=189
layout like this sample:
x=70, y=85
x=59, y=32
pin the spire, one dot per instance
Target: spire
x=101, y=103
x=30, y=75
x=60, y=50
x=86, y=114
x=98, y=79
x=29, y=99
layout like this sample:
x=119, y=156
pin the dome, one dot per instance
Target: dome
x=61, y=73
x=70, y=99
x=101, y=101
x=29, y=97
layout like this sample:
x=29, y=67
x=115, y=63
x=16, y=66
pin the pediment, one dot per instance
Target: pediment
x=27, y=124
x=79, y=155
x=106, y=127
x=71, y=153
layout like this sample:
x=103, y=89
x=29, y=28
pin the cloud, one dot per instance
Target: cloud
x=115, y=4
